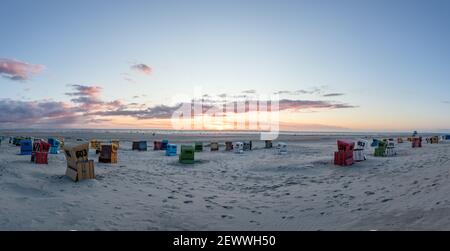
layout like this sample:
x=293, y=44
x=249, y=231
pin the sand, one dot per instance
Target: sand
x=258, y=190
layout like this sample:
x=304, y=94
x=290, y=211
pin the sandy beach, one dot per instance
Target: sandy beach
x=257, y=190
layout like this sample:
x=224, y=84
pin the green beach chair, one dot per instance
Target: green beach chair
x=380, y=151
x=187, y=154
x=199, y=146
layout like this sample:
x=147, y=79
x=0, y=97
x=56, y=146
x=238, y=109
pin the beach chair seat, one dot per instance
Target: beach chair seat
x=343, y=158
x=108, y=153
x=268, y=143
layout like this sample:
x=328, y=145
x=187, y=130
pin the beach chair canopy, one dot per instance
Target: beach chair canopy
x=362, y=144
x=164, y=144
x=54, y=142
x=41, y=146
x=345, y=145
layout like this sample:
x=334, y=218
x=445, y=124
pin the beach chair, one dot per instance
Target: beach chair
x=116, y=142
x=359, y=153
x=344, y=155
x=447, y=137
x=238, y=147
x=390, y=149
x=171, y=150
x=39, y=154
x=434, y=140
x=79, y=167
x=139, y=146
x=247, y=145
x=399, y=140
x=199, y=146
x=374, y=143
x=268, y=144
x=61, y=141
x=17, y=140
x=54, y=145
x=26, y=147
x=281, y=148
x=214, y=146
x=164, y=144
x=108, y=153
x=95, y=144
x=380, y=151
x=416, y=142
x=157, y=145
x=228, y=146
x=187, y=154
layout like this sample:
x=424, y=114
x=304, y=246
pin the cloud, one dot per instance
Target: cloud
x=159, y=111
x=17, y=70
x=249, y=91
x=13, y=111
x=87, y=107
x=314, y=90
x=142, y=68
x=282, y=92
x=333, y=94
x=87, y=97
x=85, y=100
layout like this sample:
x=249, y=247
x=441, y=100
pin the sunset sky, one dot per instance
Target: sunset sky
x=336, y=65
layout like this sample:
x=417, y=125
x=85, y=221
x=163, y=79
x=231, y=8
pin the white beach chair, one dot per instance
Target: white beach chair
x=359, y=153
x=239, y=147
x=282, y=148
x=391, y=149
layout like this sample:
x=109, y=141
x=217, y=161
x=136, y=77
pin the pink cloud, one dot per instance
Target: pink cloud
x=17, y=70
x=142, y=68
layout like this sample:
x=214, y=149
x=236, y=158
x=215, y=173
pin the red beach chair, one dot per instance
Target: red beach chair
x=344, y=155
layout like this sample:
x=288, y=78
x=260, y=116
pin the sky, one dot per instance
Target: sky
x=367, y=65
